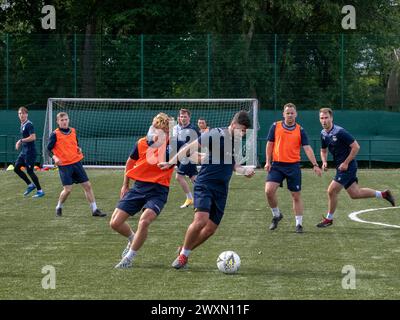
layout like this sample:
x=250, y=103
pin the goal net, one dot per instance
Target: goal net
x=107, y=129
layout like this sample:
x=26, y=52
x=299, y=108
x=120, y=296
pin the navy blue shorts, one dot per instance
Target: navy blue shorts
x=211, y=199
x=290, y=172
x=72, y=173
x=189, y=169
x=26, y=160
x=346, y=178
x=144, y=195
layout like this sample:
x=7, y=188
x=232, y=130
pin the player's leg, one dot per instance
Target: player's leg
x=89, y=194
x=65, y=173
x=298, y=209
x=152, y=197
x=79, y=175
x=182, y=171
x=131, y=203
x=210, y=205
x=185, y=187
x=293, y=177
x=119, y=224
x=19, y=163
x=203, y=199
x=67, y=189
x=30, y=165
x=333, y=193
x=215, y=216
x=206, y=232
x=192, y=236
x=271, y=188
x=146, y=219
x=195, y=235
x=355, y=192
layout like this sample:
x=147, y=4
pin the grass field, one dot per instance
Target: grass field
x=275, y=265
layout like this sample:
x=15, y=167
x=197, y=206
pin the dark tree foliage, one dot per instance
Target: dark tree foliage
x=275, y=51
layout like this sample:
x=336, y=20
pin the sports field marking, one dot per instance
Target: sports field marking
x=353, y=216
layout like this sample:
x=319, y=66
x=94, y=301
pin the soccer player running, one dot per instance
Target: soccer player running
x=344, y=149
x=186, y=167
x=67, y=155
x=212, y=183
x=150, y=190
x=285, y=139
x=27, y=156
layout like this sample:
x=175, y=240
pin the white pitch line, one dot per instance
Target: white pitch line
x=353, y=216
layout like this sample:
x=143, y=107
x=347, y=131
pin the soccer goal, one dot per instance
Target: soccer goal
x=107, y=129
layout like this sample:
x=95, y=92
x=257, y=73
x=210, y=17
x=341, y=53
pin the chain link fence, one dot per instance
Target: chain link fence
x=343, y=71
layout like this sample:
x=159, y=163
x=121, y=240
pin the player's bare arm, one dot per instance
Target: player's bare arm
x=324, y=158
x=57, y=160
x=268, y=152
x=355, y=148
x=31, y=138
x=247, y=172
x=192, y=147
x=310, y=155
x=125, y=184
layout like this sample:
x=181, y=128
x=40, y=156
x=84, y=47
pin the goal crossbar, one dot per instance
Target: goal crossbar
x=115, y=116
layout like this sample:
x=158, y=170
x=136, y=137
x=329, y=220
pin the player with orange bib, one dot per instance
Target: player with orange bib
x=285, y=140
x=67, y=155
x=150, y=190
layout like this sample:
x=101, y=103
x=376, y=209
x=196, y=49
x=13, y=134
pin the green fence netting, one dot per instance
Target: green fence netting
x=349, y=71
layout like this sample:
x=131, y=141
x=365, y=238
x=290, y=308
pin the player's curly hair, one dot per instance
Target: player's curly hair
x=161, y=121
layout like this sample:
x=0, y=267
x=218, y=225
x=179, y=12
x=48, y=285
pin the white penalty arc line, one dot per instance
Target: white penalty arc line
x=353, y=216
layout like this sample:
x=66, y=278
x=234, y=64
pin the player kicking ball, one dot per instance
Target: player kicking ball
x=67, y=155
x=344, y=149
x=212, y=183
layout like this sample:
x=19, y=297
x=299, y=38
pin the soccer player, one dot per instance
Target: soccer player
x=185, y=132
x=149, y=192
x=212, y=183
x=27, y=156
x=344, y=149
x=285, y=139
x=202, y=124
x=67, y=155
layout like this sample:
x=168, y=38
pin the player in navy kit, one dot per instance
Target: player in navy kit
x=212, y=183
x=27, y=156
x=344, y=149
x=185, y=133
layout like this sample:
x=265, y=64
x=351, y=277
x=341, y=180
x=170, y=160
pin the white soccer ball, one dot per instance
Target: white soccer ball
x=228, y=262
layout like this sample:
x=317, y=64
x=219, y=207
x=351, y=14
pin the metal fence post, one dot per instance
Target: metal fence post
x=369, y=154
x=208, y=65
x=142, y=66
x=75, y=68
x=7, y=74
x=275, y=70
x=342, y=71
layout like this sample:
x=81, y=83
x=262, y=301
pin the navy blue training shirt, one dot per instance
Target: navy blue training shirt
x=26, y=130
x=184, y=134
x=221, y=172
x=338, y=142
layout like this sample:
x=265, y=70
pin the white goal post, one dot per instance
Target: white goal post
x=107, y=129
